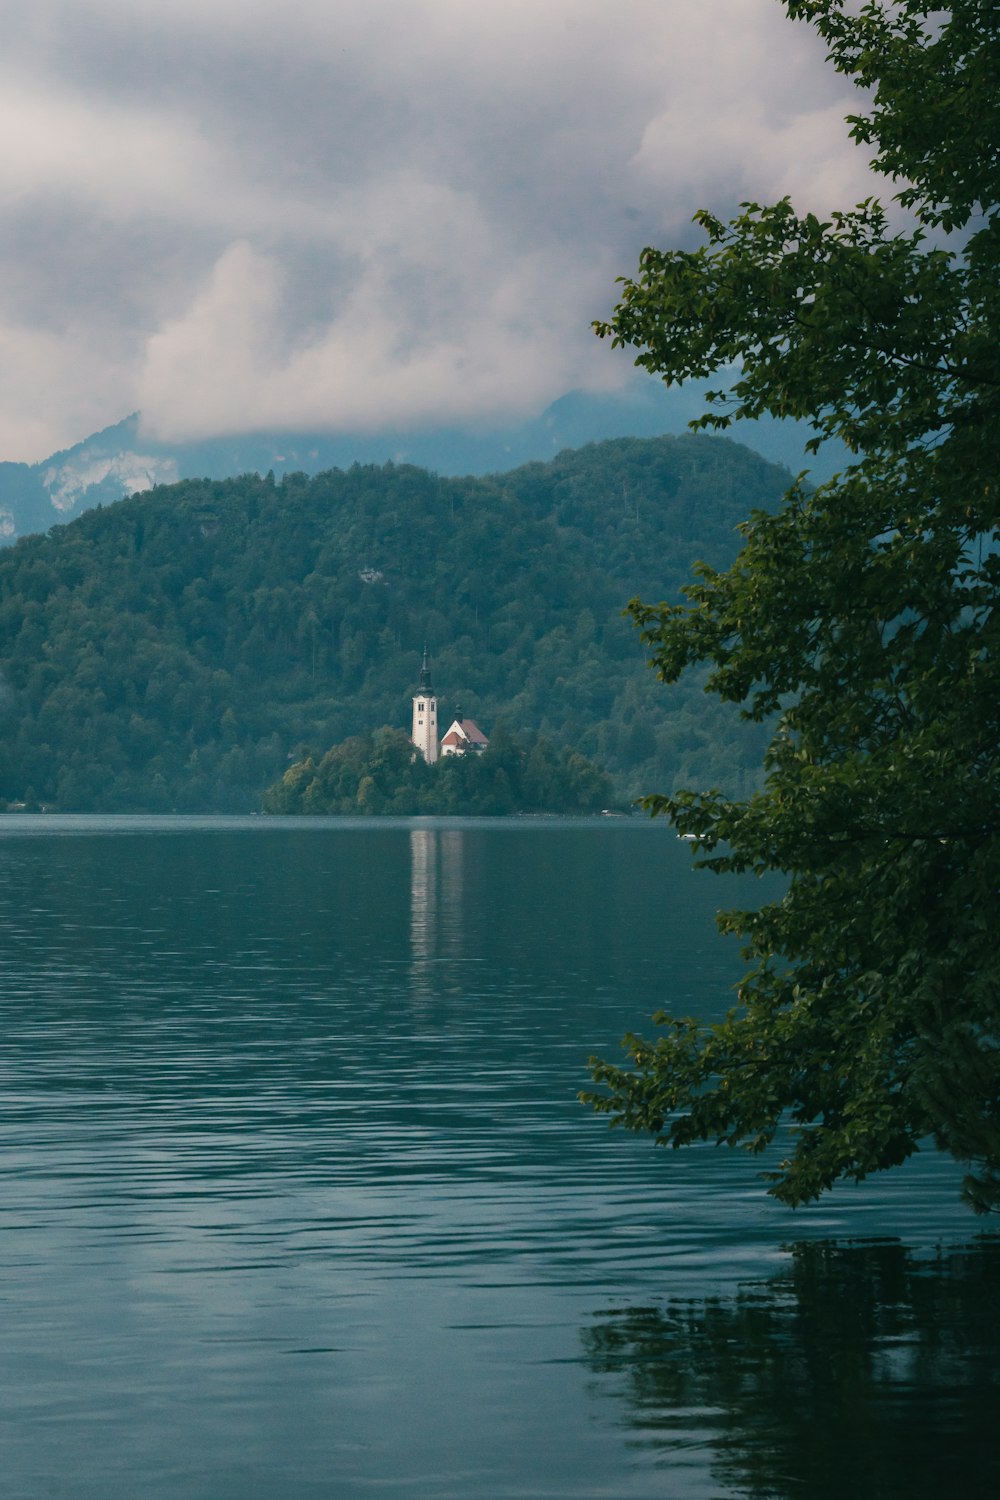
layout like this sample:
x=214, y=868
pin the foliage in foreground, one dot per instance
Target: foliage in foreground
x=379, y=773
x=865, y=615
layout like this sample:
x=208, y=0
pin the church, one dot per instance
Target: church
x=464, y=737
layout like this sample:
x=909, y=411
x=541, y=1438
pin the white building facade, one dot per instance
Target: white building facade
x=464, y=737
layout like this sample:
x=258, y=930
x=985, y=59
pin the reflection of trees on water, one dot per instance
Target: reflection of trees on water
x=861, y=1371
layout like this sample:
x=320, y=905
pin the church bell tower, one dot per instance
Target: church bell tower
x=425, y=716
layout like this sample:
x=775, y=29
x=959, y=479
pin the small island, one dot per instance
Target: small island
x=390, y=772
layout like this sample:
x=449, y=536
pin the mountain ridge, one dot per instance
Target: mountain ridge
x=122, y=459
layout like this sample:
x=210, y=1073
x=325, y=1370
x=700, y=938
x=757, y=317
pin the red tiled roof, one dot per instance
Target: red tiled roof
x=465, y=732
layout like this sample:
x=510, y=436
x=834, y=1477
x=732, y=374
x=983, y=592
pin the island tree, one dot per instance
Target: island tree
x=861, y=620
x=381, y=773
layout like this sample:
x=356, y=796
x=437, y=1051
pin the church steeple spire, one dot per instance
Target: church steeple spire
x=424, y=685
x=425, y=732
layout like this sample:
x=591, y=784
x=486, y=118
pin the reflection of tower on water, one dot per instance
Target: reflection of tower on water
x=423, y=909
x=436, y=894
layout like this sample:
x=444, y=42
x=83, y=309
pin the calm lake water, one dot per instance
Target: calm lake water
x=298, y=1201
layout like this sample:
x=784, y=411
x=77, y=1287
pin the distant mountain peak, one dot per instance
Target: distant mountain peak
x=118, y=474
x=122, y=459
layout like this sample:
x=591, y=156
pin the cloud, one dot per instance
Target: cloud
x=56, y=387
x=446, y=321
x=240, y=213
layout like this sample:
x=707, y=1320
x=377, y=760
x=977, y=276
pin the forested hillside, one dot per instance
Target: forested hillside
x=110, y=464
x=176, y=649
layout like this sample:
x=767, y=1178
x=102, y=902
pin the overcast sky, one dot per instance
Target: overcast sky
x=235, y=214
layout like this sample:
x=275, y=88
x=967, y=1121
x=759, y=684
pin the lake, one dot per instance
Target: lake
x=298, y=1199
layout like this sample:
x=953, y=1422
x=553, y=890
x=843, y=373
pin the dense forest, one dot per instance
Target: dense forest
x=181, y=648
